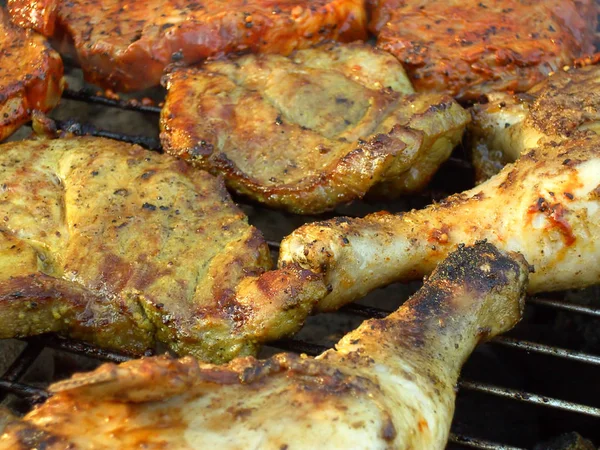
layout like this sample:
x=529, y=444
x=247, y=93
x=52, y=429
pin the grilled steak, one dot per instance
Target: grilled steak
x=310, y=131
x=554, y=110
x=546, y=206
x=470, y=47
x=126, y=45
x=30, y=76
x=122, y=247
x=389, y=384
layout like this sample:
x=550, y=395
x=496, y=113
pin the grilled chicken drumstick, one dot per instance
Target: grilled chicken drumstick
x=388, y=384
x=546, y=206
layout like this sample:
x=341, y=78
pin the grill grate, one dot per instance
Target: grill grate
x=11, y=381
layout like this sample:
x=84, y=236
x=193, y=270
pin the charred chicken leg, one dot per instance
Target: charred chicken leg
x=388, y=384
x=546, y=206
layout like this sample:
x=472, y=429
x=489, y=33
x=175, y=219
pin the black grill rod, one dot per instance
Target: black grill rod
x=86, y=96
x=21, y=364
x=468, y=441
x=528, y=397
x=79, y=129
x=82, y=348
x=371, y=312
x=30, y=393
x=567, y=306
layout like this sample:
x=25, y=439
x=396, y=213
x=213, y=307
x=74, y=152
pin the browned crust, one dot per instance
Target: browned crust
x=565, y=101
x=467, y=48
x=130, y=44
x=124, y=248
x=395, y=144
x=30, y=76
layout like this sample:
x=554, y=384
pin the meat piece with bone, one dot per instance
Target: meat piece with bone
x=31, y=76
x=470, y=47
x=123, y=247
x=545, y=206
x=388, y=384
x=554, y=110
x=126, y=45
x=313, y=130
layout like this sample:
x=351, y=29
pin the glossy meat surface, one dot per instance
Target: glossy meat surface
x=390, y=384
x=556, y=109
x=106, y=242
x=467, y=48
x=546, y=206
x=30, y=76
x=313, y=130
x=126, y=45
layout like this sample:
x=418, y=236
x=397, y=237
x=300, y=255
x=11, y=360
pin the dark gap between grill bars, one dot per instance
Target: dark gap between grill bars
x=11, y=382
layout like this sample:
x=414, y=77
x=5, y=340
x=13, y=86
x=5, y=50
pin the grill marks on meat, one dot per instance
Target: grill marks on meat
x=30, y=76
x=545, y=205
x=310, y=131
x=467, y=48
x=126, y=45
x=388, y=384
x=562, y=106
x=107, y=242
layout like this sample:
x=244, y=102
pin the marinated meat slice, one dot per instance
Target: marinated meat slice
x=470, y=47
x=556, y=109
x=30, y=76
x=126, y=45
x=122, y=247
x=390, y=384
x=312, y=130
x=546, y=206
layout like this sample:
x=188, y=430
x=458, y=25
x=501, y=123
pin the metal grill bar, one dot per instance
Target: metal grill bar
x=86, y=96
x=528, y=397
x=21, y=364
x=547, y=350
x=81, y=348
x=478, y=443
x=30, y=393
x=79, y=129
x=566, y=306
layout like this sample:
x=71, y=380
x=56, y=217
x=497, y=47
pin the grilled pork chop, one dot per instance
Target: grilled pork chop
x=310, y=131
x=126, y=45
x=122, y=247
x=30, y=76
x=554, y=110
x=470, y=47
x=388, y=384
x=546, y=206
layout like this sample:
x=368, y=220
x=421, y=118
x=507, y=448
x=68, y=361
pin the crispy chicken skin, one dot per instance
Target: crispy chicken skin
x=122, y=247
x=554, y=110
x=470, y=47
x=31, y=76
x=310, y=131
x=546, y=206
x=126, y=45
x=390, y=384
